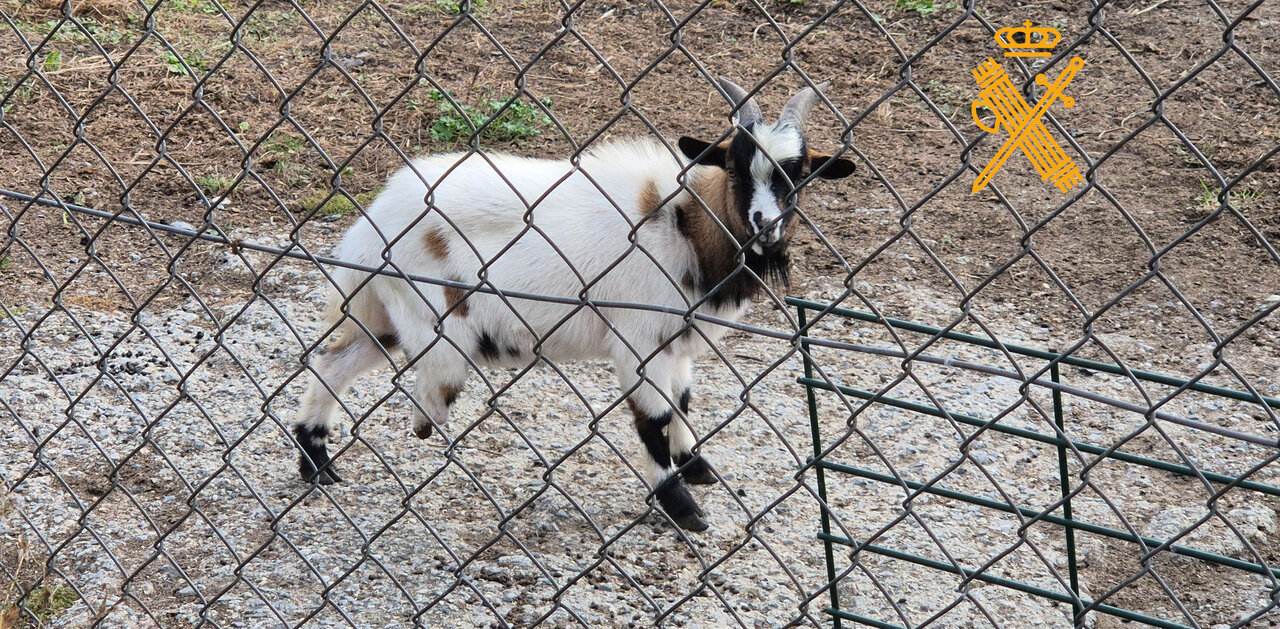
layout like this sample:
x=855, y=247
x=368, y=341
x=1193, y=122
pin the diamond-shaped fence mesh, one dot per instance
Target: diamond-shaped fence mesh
x=176, y=175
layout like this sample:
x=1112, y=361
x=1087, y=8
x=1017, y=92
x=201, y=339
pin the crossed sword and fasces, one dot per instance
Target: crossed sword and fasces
x=1023, y=124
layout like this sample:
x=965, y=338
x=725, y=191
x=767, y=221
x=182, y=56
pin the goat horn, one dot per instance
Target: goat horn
x=800, y=104
x=749, y=111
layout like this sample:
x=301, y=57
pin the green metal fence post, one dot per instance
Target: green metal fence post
x=1065, y=482
x=817, y=469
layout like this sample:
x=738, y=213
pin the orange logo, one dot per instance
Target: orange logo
x=1018, y=118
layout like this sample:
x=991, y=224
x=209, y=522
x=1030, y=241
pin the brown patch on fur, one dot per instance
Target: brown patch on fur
x=454, y=296
x=713, y=247
x=649, y=197
x=436, y=242
x=449, y=394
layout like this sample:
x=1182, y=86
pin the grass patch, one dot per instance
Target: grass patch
x=16, y=311
x=518, y=121
x=337, y=205
x=194, y=6
x=5, y=263
x=213, y=184
x=1207, y=200
x=283, y=144
x=455, y=7
x=279, y=153
x=44, y=603
x=1245, y=195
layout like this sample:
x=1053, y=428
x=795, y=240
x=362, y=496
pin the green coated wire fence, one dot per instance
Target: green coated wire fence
x=830, y=471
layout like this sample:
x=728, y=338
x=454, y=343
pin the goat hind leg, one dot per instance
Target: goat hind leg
x=441, y=375
x=338, y=369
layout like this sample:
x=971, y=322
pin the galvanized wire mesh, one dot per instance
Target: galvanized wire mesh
x=175, y=173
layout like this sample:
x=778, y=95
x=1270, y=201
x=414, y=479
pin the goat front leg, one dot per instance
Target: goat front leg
x=693, y=467
x=653, y=419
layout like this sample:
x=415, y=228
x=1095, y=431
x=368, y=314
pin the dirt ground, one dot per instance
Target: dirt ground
x=298, y=101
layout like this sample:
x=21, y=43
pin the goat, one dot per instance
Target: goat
x=619, y=226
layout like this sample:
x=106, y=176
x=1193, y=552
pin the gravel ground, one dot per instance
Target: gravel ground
x=161, y=482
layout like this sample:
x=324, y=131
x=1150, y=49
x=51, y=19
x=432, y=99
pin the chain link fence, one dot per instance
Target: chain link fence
x=176, y=174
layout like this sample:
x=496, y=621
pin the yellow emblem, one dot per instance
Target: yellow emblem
x=1039, y=40
x=1021, y=120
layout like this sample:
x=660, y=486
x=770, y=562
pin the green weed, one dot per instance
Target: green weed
x=455, y=7
x=174, y=63
x=213, y=184
x=922, y=7
x=518, y=121
x=1208, y=198
x=53, y=61
x=279, y=152
x=16, y=311
x=21, y=94
x=194, y=6
x=5, y=263
x=282, y=145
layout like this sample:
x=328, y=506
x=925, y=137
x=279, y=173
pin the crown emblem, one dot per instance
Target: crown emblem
x=1035, y=42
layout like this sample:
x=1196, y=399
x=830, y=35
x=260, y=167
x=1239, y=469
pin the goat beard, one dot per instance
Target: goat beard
x=773, y=267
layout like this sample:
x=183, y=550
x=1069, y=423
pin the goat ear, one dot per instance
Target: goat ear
x=829, y=168
x=703, y=153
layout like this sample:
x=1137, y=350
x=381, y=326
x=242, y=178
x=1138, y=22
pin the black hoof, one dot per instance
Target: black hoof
x=696, y=471
x=328, y=476
x=307, y=470
x=692, y=522
x=314, y=456
x=680, y=505
x=423, y=432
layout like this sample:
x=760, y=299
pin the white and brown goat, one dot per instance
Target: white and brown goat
x=618, y=227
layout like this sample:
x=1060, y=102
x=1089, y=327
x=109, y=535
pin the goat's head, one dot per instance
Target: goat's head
x=764, y=163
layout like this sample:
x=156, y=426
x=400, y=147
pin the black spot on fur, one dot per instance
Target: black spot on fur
x=684, y=402
x=513, y=351
x=651, y=434
x=388, y=341
x=488, y=347
x=314, y=455
x=451, y=396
